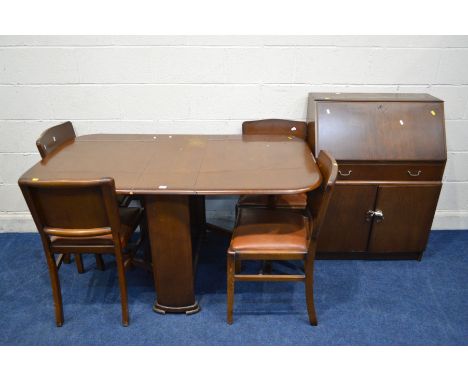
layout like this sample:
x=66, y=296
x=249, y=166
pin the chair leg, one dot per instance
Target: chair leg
x=309, y=285
x=67, y=258
x=56, y=291
x=99, y=262
x=79, y=262
x=122, y=286
x=231, y=265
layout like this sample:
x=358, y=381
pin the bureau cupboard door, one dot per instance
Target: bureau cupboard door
x=346, y=227
x=408, y=212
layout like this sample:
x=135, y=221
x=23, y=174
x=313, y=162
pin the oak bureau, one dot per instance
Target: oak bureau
x=391, y=154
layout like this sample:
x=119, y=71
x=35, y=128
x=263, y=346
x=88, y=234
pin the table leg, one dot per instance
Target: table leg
x=169, y=232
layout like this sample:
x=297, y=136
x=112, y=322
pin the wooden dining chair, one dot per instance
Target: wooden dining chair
x=274, y=127
x=49, y=142
x=74, y=216
x=279, y=234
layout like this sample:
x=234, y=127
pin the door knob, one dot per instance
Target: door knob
x=378, y=215
x=369, y=215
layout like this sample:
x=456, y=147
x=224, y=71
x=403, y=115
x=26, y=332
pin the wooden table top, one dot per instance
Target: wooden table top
x=186, y=164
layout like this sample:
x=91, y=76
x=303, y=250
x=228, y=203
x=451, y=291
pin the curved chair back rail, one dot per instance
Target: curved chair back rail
x=54, y=137
x=275, y=127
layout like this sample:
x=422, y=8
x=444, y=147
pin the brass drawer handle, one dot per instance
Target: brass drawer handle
x=342, y=174
x=414, y=174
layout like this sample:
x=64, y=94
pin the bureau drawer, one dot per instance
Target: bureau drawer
x=391, y=172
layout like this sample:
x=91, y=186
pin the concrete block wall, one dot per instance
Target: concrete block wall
x=210, y=84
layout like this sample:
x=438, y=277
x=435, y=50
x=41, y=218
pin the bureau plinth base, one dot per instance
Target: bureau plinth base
x=368, y=256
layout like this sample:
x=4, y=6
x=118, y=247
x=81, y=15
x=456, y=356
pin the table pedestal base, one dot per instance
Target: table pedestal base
x=170, y=234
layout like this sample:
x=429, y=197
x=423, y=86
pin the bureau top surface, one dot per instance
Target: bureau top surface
x=186, y=164
x=374, y=97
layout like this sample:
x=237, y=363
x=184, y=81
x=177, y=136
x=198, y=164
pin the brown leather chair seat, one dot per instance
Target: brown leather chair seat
x=270, y=231
x=294, y=201
x=129, y=220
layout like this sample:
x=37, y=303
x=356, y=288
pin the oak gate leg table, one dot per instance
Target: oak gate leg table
x=172, y=174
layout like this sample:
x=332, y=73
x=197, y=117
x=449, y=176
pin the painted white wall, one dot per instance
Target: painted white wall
x=210, y=84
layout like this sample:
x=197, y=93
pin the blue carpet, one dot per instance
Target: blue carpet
x=357, y=302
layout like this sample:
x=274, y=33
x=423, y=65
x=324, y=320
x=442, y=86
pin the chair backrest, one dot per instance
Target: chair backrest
x=275, y=127
x=318, y=199
x=73, y=208
x=54, y=137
